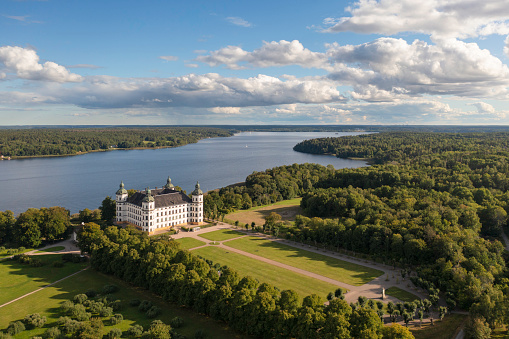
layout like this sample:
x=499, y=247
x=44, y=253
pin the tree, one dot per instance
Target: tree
x=7, y=222
x=338, y=293
x=365, y=323
x=271, y=220
x=27, y=229
x=108, y=209
x=56, y=221
x=477, y=328
x=89, y=236
x=396, y=331
x=442, y=312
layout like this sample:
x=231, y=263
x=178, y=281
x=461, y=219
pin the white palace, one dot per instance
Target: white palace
x=152, y=210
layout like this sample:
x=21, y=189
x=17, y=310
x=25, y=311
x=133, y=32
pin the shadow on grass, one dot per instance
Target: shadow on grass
x=355, y=271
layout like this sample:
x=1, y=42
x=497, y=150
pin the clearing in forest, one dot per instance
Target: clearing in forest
x=287, y=209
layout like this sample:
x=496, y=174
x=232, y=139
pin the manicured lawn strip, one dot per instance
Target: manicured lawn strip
x=221, y=235
x=18, y=279
x=47, y=303
x=52, y=249
x=444, y=329
x=401, y=294
x=286, y=208
x=276, y=276
x=187, y=243
x=336, y=269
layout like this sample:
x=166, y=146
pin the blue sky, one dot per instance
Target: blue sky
x=263, y=62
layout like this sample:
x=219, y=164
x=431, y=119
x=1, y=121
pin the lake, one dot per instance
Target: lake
x=83, y=181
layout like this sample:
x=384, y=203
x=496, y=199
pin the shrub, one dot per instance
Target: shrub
x=135, y=331
x=79, y=313
x=20, y=249
x=67, y=306
x=153, y=312
x=109, y=289
x=5, y=335
x=15, y=327
x=115, y=333
x=80, y=298
x=116, y=305
x=91, y=293
x=36, y=262
x=106, y=312
x=200, y=334
x=95, y=306
x=67, y=257
x=52, y=332
x=116, y=319
x=69, y=326
x=22, y=258
x=144, y=306
x=58, y=264
x=134, y=302
x=34, y=320
x=176, y=322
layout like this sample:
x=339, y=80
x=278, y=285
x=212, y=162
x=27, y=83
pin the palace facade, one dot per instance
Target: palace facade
x=152, y=210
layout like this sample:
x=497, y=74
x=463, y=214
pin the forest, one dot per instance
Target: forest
x=70, y=141
x=247, y=305
x=435, y=203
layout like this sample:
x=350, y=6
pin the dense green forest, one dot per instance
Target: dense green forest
x=247, y=305
x=57, y=141
x=435, y=202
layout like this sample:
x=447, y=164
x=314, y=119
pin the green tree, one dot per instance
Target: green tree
x=56, y=221
x=108, y=209
x=7, y=222
x=28, y=229
x=396, y=331
x=365, y=324
x=89, y=236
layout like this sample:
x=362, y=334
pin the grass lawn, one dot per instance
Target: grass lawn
x=4, y=254
x=336, y=269
x=288, y=209
x=187, y=243
x=444, y=329
x=18, y=279
x=401, y=294
x=221, y=235
x=47, y=303
x=276, y=276
x=52, y=249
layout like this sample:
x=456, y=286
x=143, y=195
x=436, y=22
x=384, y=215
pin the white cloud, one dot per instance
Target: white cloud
x=225, y=110
x=169, y=57
x=389, y=67
x=238, y=21
x=275, y=53
x=89, y=66
x=446, y=18
x=291, y=108
x=506, y=47
x=23, y=18
x=483, y=107
x=208, y=90
x=25, y=64
x=192, y=65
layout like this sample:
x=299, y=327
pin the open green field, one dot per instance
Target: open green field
x=221, y=235
x=336, y=269
x=18, y=279
x=444, y=329
x=187, y=243
x=401, y=294
x=47, y=303
x=276, y=276
x=288, y=209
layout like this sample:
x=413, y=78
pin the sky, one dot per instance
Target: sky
x=366, y=62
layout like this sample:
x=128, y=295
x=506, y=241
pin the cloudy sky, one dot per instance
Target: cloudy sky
x=254, y=62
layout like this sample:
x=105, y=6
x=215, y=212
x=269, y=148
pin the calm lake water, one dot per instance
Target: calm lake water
x=83, y=181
